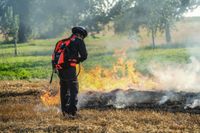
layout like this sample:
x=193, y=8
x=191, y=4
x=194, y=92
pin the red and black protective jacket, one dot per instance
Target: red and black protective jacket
x=74, y=53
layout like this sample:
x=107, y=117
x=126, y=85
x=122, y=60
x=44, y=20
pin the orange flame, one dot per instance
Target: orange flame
x=48, y=99
x=52, y=95
x=122, y=75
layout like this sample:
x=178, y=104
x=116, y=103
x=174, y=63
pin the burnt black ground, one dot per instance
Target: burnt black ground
x=132, y=99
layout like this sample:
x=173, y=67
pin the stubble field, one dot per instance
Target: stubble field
x=22, y=111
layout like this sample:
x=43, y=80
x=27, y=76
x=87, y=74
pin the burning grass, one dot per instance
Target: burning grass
x=133, y=88
x=122, y=75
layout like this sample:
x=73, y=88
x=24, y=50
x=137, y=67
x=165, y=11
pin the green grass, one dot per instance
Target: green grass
x=144, y=57
x=34, y=59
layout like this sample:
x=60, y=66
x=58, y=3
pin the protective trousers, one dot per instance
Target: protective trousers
x=68, y=90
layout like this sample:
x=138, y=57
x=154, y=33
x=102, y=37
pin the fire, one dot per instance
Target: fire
x=52, y=95
x=122, y=75
x=49, y=100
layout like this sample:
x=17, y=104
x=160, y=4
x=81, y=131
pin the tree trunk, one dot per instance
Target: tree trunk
x=23, y=33
x=15, y=44
x=6, y=37
x=153, y=38
x=167, y=33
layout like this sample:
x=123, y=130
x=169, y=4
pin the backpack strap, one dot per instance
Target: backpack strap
x=72, y=62
x=67, y=42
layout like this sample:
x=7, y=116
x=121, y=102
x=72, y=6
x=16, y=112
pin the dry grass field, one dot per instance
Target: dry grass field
x=21, y=110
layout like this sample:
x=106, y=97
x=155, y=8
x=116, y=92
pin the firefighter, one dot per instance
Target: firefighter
x=76, y=53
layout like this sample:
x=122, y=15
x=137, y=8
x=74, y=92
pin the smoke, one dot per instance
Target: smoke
x=177, y=82
x=49, y=18
x=175, y=78
x=117, y=98
x=125, y=99
x=178, y=77
x=193, y=102
x=161, y=100
x=42, y=108
x=85, y=98
x=169, y=96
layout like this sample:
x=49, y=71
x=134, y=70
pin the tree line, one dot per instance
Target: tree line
x=21, y=20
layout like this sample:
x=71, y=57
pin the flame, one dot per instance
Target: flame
x=48, y=99
x=122, y=75
x=52, y=94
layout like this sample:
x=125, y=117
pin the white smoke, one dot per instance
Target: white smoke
x=42, y=108
x=124, y=99
x=116, y=99
x=84, y=98
x=195, y=103
x=173, y=80
x=179, y=77
x=121, y=100
x=169, y=96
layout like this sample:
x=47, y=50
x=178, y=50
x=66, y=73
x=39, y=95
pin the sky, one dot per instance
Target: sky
x=194, y=13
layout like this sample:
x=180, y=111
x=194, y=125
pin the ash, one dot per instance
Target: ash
x=157, y=100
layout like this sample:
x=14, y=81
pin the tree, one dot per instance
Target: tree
x=173, y=11
x=44, y=18
x=15, y=33
x=9, y=24
x=52, y=18
x=98, y=14
x=153, y=14
x=9, y=10
x=22, y=8
x=139, y=13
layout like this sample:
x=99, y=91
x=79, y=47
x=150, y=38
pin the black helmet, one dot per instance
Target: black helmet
x=80, y=30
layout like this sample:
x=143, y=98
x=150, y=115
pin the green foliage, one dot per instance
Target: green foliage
x=25, y=67
x=162, y=55
x=51, y=18
x=40, y=19
x=99, y=13
x=34, y=59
